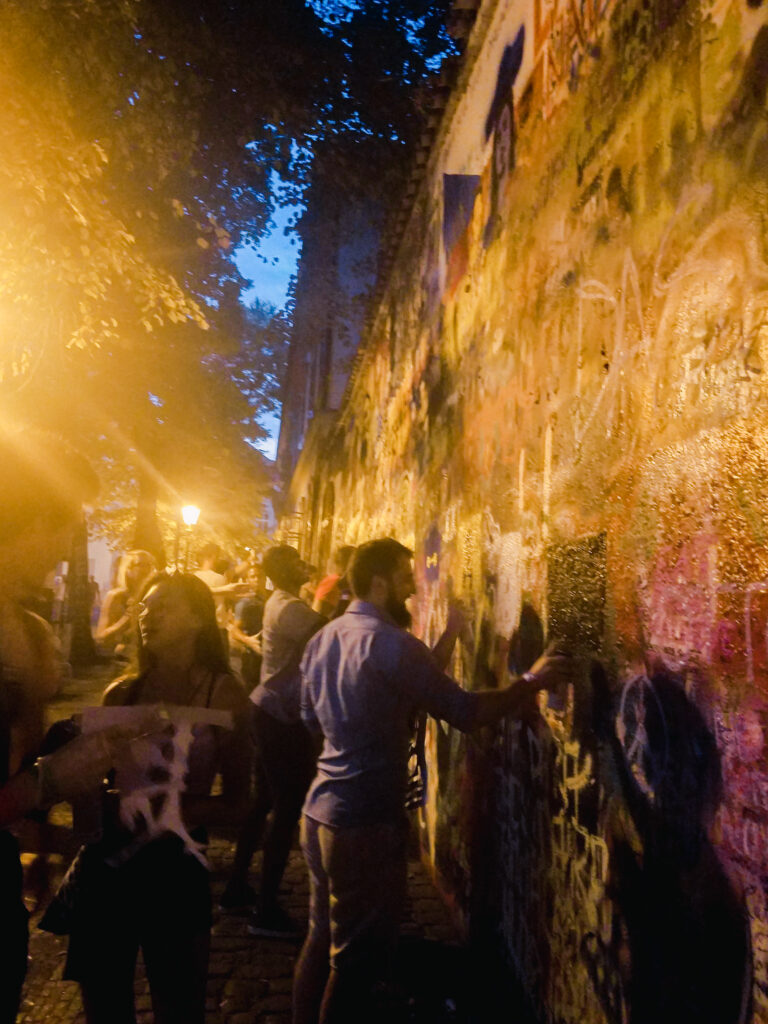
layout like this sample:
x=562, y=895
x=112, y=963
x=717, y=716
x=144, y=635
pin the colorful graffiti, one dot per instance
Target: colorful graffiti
x=562, y=406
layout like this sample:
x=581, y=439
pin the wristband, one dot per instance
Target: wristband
x=529, y=677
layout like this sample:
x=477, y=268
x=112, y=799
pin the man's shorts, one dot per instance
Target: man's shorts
x=358, y=879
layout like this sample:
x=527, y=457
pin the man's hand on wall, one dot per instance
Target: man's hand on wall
x=458, y=623
x=552, y=670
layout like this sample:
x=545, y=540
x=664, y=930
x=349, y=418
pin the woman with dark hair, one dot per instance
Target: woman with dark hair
x=148, y=888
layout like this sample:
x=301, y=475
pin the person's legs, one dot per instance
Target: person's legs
x=367, y=873
x=248, y=841
x=175, y=938
x=14, y=929
x=103, y=946
x=177, y=973
x=290, y=765
x=312, y=967
x=14, y=934
x=104, y=964
x=238, y=891
x=108, y=999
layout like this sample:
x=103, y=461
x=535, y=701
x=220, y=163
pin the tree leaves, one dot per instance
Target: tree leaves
x=140, y=144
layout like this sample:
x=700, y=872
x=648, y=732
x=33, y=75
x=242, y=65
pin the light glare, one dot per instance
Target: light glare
x=190, y=514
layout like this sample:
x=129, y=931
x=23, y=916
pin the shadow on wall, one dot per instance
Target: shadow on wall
x=681, y=931
x=672, y=941
x=511, y=809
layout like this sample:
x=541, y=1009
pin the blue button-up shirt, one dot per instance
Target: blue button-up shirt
x=363, y=678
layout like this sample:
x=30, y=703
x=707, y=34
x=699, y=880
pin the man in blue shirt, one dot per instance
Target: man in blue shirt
x=364, y=677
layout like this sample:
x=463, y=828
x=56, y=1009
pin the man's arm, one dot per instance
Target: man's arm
x=306, y=703
x=511, y=700
x=251, y=641
x=442, y=697
x=307, y=711
x=550, y=671
x=456, y=626
x=114, y=618
x=233, y=589
x=75, y=769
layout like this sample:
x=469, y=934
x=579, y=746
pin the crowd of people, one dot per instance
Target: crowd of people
x=314, y=725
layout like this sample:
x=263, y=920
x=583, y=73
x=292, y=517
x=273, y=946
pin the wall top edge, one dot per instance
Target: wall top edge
x=482, y=27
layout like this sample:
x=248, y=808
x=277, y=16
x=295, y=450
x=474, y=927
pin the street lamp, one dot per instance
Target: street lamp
x=190, y=514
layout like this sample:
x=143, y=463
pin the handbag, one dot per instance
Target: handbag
x=61, y=912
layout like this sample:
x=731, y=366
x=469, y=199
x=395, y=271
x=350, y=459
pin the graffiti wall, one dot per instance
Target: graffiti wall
x=562, y=406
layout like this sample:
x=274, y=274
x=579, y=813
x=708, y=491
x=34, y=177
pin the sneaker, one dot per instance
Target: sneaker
x=238, y=896
x=274, y=924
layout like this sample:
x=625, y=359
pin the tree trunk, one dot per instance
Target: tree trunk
x=147, y=536
x=82, y=650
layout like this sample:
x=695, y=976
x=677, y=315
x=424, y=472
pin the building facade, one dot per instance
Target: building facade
x=336, y=273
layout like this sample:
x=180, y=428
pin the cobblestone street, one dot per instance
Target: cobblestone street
x=249, y=978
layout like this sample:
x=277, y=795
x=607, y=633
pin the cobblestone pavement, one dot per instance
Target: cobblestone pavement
x=249, y=978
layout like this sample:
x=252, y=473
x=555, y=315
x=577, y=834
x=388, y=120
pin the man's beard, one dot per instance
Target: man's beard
x=398, y=612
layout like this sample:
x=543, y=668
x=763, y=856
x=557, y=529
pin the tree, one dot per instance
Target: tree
x=204, y=108
x=143, y=139
x=91, y=325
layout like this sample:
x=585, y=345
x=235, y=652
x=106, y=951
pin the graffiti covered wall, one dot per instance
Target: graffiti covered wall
x=562, y=407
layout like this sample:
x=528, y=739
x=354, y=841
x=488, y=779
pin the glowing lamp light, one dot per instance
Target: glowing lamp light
x=190, y=514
